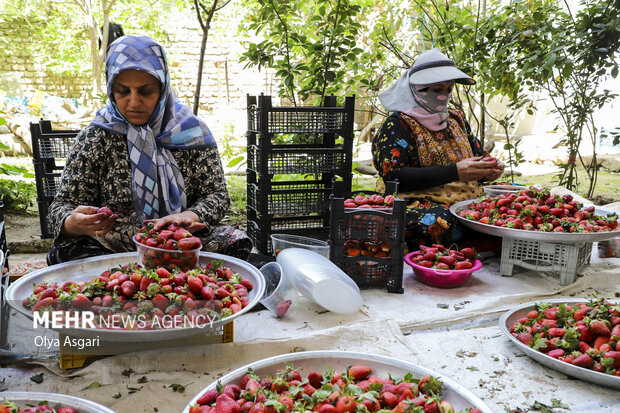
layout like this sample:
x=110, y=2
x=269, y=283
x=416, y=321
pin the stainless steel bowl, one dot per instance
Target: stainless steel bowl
x=320, y=361
x=85, y=270
x=561, y=237
x=508, y=319
x=55, y=401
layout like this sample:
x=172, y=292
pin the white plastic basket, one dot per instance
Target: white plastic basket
x=565, y=259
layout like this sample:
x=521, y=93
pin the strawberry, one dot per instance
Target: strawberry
x=81, y=302
x=315, y=379
x=282, y=307
x=360, y=200
x=188, y=243
x=208, y=397
x=615, y=355
x=468, y=253
x=430, y=385
x=345, y=404
x=359, y=372
x=583, y=360
x=600, y=328
x=105, y=210
x=525, y=338
x=128, y=288
x=463, y=265
x=194, y=284
x=389, y=200
x=226, y=404
x=448, y=260
x=181, y=233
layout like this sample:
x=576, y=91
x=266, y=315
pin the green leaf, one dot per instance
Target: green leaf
x=37, y=378
x=179, y=388
x=117, y=396
x=94, y=385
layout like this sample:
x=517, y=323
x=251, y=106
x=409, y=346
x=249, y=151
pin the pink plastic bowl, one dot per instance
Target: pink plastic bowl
x=441, y=278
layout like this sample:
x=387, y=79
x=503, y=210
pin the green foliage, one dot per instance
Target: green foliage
x=310, y=44
x=568, y=55
x=16, y=194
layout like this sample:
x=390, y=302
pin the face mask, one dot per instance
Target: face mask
x=432, y=102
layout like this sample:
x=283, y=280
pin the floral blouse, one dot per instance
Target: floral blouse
x=403, y=142
x=98, y=173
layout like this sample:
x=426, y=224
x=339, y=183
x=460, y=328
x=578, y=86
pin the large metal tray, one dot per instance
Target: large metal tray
x=560, y=237
x=55, y=401
x=305, y=361
x=508, y=319
x=86, y=269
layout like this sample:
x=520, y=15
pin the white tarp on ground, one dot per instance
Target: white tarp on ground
x=434, y=336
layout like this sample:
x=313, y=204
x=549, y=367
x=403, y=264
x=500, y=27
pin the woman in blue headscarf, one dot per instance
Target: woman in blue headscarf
x=146, y=157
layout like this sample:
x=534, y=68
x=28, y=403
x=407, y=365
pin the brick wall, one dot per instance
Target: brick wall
x=224, y=83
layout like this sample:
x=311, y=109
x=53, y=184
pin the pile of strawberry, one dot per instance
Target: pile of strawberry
x=355, y=248
x=369, y=201
x=179, y=241
x=210, y=291
x=354, y=390
x=584, y=334
x=9, y=406
x=442, y=258
x=538, y=210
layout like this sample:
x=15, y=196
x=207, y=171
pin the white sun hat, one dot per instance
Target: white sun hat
x=430, y=67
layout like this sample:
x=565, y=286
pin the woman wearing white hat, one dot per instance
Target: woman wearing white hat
x=430, y=149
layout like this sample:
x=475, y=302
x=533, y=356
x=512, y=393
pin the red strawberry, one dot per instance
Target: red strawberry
x=315, y=379
x=615, y=355
x=583, y=360
x=599, y=328
x=208, y=397
x=468, y=253
x=359, y=372
x=181, y=233
x=81, y=302
x=282, y=307
x=194, y=284
x=188, y=243
x=345, y=404
x=430, y=385
x=360, y=200
x=225, y=404
x=448, y=260
x=128, y=288
x=105, y=210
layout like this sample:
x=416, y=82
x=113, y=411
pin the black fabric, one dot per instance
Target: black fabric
x=85, y=247
x=411, y=179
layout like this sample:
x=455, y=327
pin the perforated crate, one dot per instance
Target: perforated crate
x=565, y=259
x=369, y=245
x=295, y=197
x=292, y=160
x=313, y=226
x=267, y=119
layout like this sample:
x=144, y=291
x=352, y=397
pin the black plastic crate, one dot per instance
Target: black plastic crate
x=48, y=143
x=367, y=229
x=372, y=271
x=263, y=118
x=309, y=226
x=299, y=160
x=289, y=197
x=47, y=146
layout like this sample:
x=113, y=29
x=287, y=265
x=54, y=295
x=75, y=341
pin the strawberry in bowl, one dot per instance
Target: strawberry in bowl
x=173, y=247
x=441, y=267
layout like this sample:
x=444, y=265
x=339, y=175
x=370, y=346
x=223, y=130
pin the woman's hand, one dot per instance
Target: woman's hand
x=475, y=169
x=495, y=172
x=186, y=219
x=85, y=220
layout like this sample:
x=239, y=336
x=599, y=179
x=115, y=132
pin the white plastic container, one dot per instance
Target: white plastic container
x=279, y=291
x=319, y=279
x=283, y=241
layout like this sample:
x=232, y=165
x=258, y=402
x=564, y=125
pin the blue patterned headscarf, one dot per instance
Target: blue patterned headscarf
x=158, y=188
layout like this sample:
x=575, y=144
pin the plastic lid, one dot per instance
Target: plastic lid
x=336, y=296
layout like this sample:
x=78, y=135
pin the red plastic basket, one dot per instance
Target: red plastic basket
x=441, y=278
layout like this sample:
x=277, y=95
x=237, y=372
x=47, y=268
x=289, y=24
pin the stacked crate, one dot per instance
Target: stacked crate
x=48, y=146
x=369, y=244
x=284, y=146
